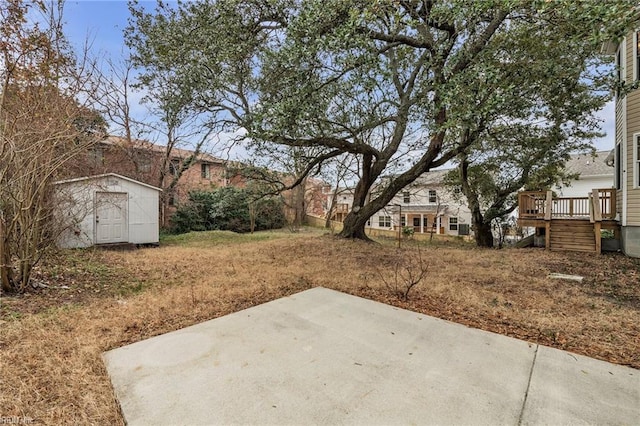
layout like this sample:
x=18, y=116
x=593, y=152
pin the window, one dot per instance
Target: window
x=403, y=221
x=173, y=168
x=618, y=167
x=205, y=171
x=453, y=224
x=432, y=196
x=636, y=56
x=621, y=65
x=636, y=160
x=143, y=165
x=97, y=155
x=406, y=197
x=384, y=221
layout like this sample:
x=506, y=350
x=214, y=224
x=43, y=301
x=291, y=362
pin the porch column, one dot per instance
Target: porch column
x=406, y=219
x=422, y=223
x=438, y=224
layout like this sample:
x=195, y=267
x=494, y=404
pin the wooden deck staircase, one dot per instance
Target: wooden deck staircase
x=572, y=235
x=572, y=223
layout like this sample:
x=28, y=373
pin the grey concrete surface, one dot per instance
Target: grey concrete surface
x=324, y=357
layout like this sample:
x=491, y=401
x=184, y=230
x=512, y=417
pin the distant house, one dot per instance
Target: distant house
x=593, y=173
x=427, y=206
x=107, y=209
x=143, y=161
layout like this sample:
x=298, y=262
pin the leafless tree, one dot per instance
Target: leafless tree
x=43, y=127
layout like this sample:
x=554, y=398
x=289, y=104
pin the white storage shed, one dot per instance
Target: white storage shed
x=107, y=209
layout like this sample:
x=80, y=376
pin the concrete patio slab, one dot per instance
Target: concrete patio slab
x=324, y=357
x=572, y=389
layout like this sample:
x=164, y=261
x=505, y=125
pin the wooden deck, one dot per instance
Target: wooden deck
x=570, y=223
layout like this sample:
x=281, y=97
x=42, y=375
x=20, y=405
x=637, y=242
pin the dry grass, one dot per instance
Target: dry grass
x=51, y=368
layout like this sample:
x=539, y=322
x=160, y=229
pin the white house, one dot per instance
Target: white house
x=426, y=205
x=107, y=209
x=593, y=173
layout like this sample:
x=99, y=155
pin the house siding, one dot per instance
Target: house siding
x=632, y=127
x=628, y=124
x=620, y=123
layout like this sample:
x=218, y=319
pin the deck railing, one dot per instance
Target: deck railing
x=542, y=205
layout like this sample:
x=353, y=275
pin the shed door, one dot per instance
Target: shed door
x=111, y=217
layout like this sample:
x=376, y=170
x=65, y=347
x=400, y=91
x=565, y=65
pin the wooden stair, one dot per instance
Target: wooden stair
x=572, y=235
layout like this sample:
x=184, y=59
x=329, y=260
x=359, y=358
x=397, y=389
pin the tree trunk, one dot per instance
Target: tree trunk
x=353, y=227
x=5, y=271
x=482, y=230
x=354, y=223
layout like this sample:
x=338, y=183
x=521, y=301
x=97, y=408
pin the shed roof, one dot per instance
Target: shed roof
x=104, y=175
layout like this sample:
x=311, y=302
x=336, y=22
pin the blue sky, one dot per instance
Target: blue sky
x=102, y=23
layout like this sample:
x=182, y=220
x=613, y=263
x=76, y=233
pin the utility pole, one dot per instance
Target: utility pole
x=399, y=223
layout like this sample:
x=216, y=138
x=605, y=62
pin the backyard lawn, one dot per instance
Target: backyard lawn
x=51, y=339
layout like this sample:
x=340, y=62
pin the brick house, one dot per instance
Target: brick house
x=143, y=161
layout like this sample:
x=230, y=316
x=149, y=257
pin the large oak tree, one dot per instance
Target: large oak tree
x=393, y=83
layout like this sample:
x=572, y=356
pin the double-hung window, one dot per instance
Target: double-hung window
x=205, y=171
x=384, y=221
x=636, y=55
x=432, y=196
x=636, y=160
x=621, y=67
x=453, y=224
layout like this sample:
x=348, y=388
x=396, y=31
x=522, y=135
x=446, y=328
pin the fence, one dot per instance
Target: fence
x=336, y=227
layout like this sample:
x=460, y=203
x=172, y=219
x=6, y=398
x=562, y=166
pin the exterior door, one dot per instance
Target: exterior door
x=111, y=217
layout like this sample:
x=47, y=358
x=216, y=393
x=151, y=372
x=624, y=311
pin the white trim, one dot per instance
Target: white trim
x=636, y=161
x=623, y=154
x=115, y=175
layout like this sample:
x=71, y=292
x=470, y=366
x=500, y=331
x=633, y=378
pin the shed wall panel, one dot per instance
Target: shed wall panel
x=142, y=214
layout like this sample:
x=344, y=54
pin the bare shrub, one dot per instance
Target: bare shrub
x=407, y=270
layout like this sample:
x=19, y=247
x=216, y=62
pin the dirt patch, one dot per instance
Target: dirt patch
x=52, y=343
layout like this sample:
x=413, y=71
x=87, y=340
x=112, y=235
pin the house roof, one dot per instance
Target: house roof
x=433, y=177
x=177, y=153
x=587, y=165
x=104, y=175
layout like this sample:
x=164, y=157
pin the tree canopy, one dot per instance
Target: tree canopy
x=402, y=86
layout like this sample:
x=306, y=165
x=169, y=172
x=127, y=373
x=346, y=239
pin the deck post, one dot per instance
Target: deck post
x=548, y=206
x=547, y=234
x=597, y=209
x=597, y=217
x=547, y=220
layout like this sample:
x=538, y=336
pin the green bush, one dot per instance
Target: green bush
x=227, y=209
x=408, y=231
